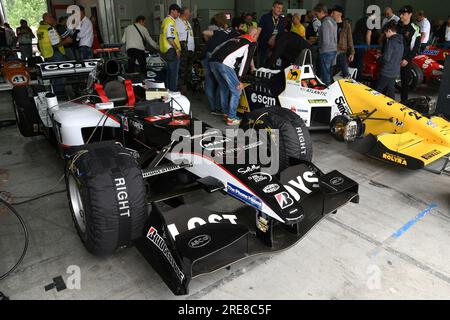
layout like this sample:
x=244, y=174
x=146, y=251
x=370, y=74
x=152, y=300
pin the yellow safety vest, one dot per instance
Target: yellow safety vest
x=164, y=44
x=45, y=44
x=245, y=26
x=299, y=29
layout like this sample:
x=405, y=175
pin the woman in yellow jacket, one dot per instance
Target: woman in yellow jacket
x=297, y=26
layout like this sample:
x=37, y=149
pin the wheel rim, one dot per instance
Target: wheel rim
x=77, y=204
x=338, y=129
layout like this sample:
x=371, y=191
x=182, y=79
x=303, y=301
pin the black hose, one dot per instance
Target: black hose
x=27, y=238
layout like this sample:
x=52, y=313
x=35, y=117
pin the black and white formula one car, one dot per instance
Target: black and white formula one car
x=133, y=170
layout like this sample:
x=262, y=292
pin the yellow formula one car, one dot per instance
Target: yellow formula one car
x=371, y=122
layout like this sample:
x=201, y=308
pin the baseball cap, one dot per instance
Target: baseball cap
x=174, y=7
x=338, y=9
x=406, y=9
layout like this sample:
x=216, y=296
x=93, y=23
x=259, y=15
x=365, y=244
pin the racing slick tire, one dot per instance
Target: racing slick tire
x=107, y=197
x=416, y=78
x=295, y=143
x=27, y=115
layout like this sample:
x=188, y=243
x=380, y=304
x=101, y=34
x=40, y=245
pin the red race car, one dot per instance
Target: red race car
x=423, y=69
x=436, y=53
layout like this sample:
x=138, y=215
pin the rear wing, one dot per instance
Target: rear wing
x=63, y=69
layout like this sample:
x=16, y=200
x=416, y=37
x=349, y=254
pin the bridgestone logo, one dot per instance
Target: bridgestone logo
x=159, y=242
x=268, y=101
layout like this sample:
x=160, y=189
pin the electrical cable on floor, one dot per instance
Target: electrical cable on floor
x=27, y=238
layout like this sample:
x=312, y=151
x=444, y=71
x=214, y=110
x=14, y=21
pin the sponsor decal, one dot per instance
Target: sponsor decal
x=431, y=154
x=431, y=52
x=244, y=196
x=268, y=101
x=395, y=158
x=196, y=221
x=263, y=224
x=337, y=181
x=313, y=91
x=271, y=188
x=240, y=148
x=159, y=242
x=294, y=75
x=399, y=123
x=214, y=143
x=138, y=126
x=260, y=177
x=19, y=79
x=255, y=122
x=125, y=124
x=203, y=135
x=165, y=116
x=247, y=170
x=318, y=101
x=199, y=241
x=68, y=65
x=432, y=124
x=284, y=200
x=122, y=197
x=340, y=102
x=295, y=109
x=298, y=184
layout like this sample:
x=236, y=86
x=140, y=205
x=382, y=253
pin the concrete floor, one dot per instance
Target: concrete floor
x=350, y=255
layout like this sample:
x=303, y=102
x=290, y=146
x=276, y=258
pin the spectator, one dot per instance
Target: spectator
x=438, y=31
x=312, y=29
x=214, y=39
x=390, y=60
x=69, y=48
x=411, y=38
x=288, y=22
x=170, y=46
x=345, y=48
x=248, y=22
x=186, y=36
x=288, y=47
x=136, y=39
x=270, y=25
x=389, y=16
x=85, y=36
x=98, y=40
x=223, y=61
x=327, y=42
x=362, y=38
x=11, y=39
x=51, y=45
x=425, y=29
x=25, y=37
x=447, y=34
x=297, y=27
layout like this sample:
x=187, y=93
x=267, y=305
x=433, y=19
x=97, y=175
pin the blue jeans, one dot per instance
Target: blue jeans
x=326, y=62
x=211, y=87
x=85, y=52
x=342, y=64
x=173, y=68
x=228, y=85
x=58, y=84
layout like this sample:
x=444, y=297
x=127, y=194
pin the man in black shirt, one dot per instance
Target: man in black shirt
x=288, y=47
x=411, y=38
x=362, y=36
x=270, y=25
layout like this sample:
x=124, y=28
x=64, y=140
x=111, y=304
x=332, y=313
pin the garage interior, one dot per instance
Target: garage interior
x=392, y=245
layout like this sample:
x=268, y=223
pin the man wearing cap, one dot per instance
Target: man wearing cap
x=345, y=47
x=411, y=41
x=170, y=47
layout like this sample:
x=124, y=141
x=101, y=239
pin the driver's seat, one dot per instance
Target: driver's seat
x=118, y=92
